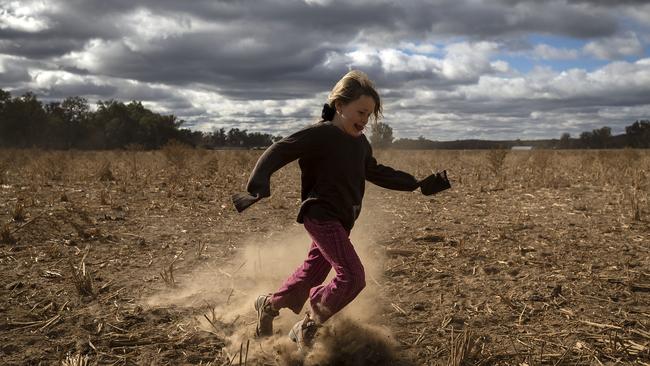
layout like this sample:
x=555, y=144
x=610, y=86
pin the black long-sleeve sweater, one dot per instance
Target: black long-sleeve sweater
x=334, y=167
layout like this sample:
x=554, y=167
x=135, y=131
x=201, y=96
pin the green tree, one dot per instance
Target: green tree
x=23, y=122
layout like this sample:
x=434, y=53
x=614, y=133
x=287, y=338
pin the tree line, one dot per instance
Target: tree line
x=637, y=135
x=27, y=122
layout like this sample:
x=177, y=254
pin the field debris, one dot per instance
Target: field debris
x=533, y=258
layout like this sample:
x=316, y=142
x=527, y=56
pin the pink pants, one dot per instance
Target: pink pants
x=331, y=248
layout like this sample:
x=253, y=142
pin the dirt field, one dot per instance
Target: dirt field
x=139, y=258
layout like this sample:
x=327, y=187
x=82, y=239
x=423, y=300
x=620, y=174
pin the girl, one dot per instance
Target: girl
x=335, y=160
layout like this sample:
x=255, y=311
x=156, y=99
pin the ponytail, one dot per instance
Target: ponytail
x=328, y=112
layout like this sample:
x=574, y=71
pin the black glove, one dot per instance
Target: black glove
x=243, y=200
x=434, y=183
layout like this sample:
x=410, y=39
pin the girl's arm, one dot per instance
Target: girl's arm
x=281, y=153
x=390, y=178
x=387, y=177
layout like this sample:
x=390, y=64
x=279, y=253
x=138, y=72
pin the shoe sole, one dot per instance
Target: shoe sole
x=299, y=341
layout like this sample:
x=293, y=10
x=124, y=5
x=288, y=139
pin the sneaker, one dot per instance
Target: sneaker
x=304, y=332
x=265, y=315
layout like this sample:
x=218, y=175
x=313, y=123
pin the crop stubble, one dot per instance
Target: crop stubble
x=533, y=258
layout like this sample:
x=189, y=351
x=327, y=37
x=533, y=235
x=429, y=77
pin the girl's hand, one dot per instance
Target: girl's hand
x=434, y=183
x=243, y=200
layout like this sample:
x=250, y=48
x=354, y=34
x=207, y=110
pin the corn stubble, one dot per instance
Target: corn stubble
x=156, y=186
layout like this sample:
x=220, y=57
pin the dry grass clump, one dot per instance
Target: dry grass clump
x=105, y=197
x=495, y=160
x=211, y=167
x=18, y=213
x=167, y=274
x=201, y=248
x=177, y=154
x=462, y=348
x=6, y=236
x=133, y=163
x=635, y=205
x=104, y=173
x=630, y=156
x=52, y=166
x=540, y=161
x=81, y=278
x=75, y=360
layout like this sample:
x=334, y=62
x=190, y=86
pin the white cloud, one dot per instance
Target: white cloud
x=45, y=79
x=392, y=60
x=146, y=25
x=467, y=61
x=613, y=48
x=365, y=57
x=500, y=66
x=614, y=80
x=318, y=2
x=422, y=48
x=24, y=16
x=94, y=55
x=462, y=62
x=397, y=61
x=547, y=52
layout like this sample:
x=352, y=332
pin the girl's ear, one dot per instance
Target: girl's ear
x=338, y=105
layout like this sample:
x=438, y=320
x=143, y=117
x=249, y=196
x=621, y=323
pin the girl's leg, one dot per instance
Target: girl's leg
x=334, y=244
x=295, y=291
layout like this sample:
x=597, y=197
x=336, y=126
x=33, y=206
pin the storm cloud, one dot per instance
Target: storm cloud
x=447, y=69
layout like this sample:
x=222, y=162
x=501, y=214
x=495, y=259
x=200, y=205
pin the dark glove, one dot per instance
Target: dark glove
x=434, y=183
x=243, y=200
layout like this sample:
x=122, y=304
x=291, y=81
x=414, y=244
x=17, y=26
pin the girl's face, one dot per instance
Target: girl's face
x=353, y=117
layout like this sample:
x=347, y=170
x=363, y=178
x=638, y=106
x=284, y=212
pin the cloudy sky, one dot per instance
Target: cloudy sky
x=447, y=69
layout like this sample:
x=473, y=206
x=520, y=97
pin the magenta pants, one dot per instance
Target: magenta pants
x=330, y=248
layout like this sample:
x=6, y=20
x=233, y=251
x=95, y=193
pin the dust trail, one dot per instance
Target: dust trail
x=260, y=266
x=347, y=342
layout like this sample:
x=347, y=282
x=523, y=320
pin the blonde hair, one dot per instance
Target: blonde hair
x=351, y=87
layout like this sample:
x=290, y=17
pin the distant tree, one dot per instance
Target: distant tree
x=586, y=139
x=602, y=137
x=236, y=137
x=257, y=139
x=638, y=134
x=75, y=110
x=382, y=135
x=55, y=126
x=5, y=97
x=189, y=137
x=565, y=141
x=216, y=138
x=114, y=119
x=23, y=121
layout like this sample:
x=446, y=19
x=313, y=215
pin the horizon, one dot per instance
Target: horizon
x=447, y=70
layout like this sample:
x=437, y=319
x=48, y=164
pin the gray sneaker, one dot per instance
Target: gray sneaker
x=265, y=315
x=304, y=333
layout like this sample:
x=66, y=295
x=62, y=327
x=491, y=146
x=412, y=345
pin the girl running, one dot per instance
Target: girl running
x=335, y=160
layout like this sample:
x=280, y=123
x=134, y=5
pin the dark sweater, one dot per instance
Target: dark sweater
x=334, y=167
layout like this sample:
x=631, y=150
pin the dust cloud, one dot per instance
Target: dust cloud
x=260, y=265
